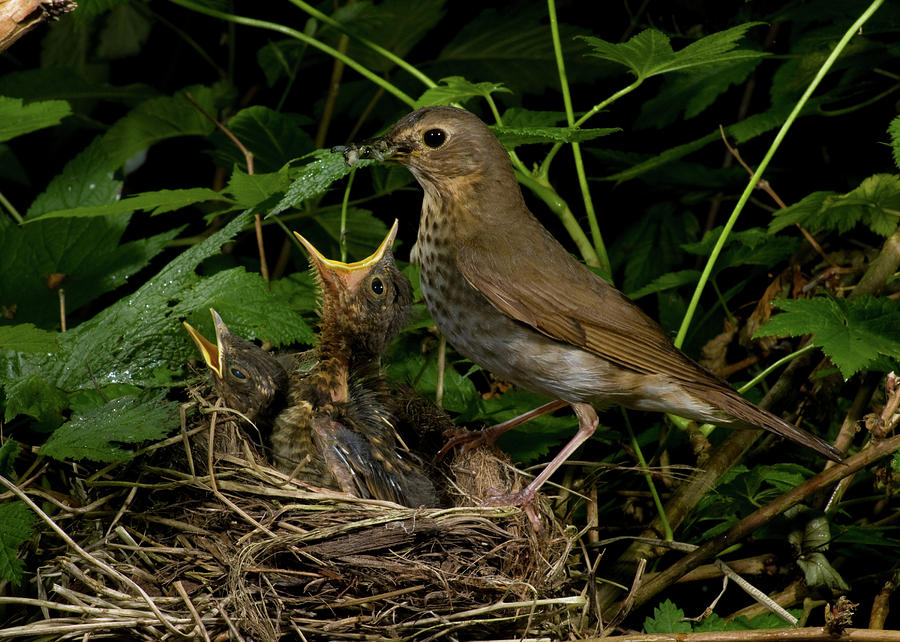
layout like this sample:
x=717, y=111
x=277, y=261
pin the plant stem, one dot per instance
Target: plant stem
x=779, y=137
x=11, y=209
x=302, y=37
x=657, y=502
x=599, y=246
x=344, y=215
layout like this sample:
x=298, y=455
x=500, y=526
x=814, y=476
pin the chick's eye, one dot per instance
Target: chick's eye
x=238, y=374
x=434, y=138
x=377, y=286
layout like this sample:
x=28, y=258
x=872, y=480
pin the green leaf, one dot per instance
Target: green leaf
x=272, y=137
x=132, y=339
x=514, y=47
x=69, y=84
x=85, y=254
x=854, y=334
x=651, y=246
x=512, y=137
x=747, y=247
x=34, y=396
x=24, y=337
x=894, y=133
x=668, y=281
x=396, y=25
x=16, y=521
x=8, y=453
x=280, y=58
x=310, y=181
x=875, y=204
x=166, y=200
x=667, y=618
x=17, y=118
x=96, y=434
x=649, y=53
x=246, y=306
x=692, y=92
x=456, y=89
x=124, y=34
x=251, y=190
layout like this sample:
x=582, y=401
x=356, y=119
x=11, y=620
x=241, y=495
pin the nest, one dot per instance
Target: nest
x=164, y=550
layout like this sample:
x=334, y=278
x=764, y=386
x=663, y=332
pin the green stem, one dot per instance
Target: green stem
x=545, y=166
x=599, y=246
x=302, y=37
x=11, y=209
x=344, y=215
x=394, y=58
x=779, y=137
x=661, y=511
x=774, y=366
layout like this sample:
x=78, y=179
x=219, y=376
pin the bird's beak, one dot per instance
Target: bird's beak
x=348, y=275
x=212, y=352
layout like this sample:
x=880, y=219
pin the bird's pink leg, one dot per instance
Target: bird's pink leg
x=587, y=424
x=473, y=438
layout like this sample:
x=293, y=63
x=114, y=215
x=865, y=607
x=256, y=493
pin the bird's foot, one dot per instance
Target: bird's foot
x=468, y=439
x=524, y=499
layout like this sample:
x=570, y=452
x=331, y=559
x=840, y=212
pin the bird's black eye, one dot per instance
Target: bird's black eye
x=238, y=374
x=377, y=286
x=434, y=138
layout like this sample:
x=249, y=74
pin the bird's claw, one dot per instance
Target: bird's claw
x=523, y=499
x=377, y=149
x=469, y=439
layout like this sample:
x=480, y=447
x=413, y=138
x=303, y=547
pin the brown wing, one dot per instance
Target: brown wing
x=550, y=291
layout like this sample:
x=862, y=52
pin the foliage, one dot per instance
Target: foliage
x=125, y=209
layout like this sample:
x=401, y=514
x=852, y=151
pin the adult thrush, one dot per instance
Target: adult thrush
x=509, y=297
x=341, y=404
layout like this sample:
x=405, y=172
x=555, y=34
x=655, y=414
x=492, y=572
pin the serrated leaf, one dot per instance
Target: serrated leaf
x=166, y=200
x=82, y=255
x=512, y=137
x=852, y=333
x=649, y=53
x=98, y=433
x=396, y=25
x=692, y=92
x=132, y=339
x=310, y=181
x=274, y=138
x=246, y=306
x=818, y=572
x=747, y=247
x=519, y=117
x=69, y=84
x=668, y=281
x=250, y=190
x=667, y=618
x=17, y=118
x=8, y=453
x=34, y=396
x=124, y=34
x=24, y=337
x=16, y=521
x=651, y=246
x=894, y=133
x=513, y=47
x=875, y=203
x=456, y=89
